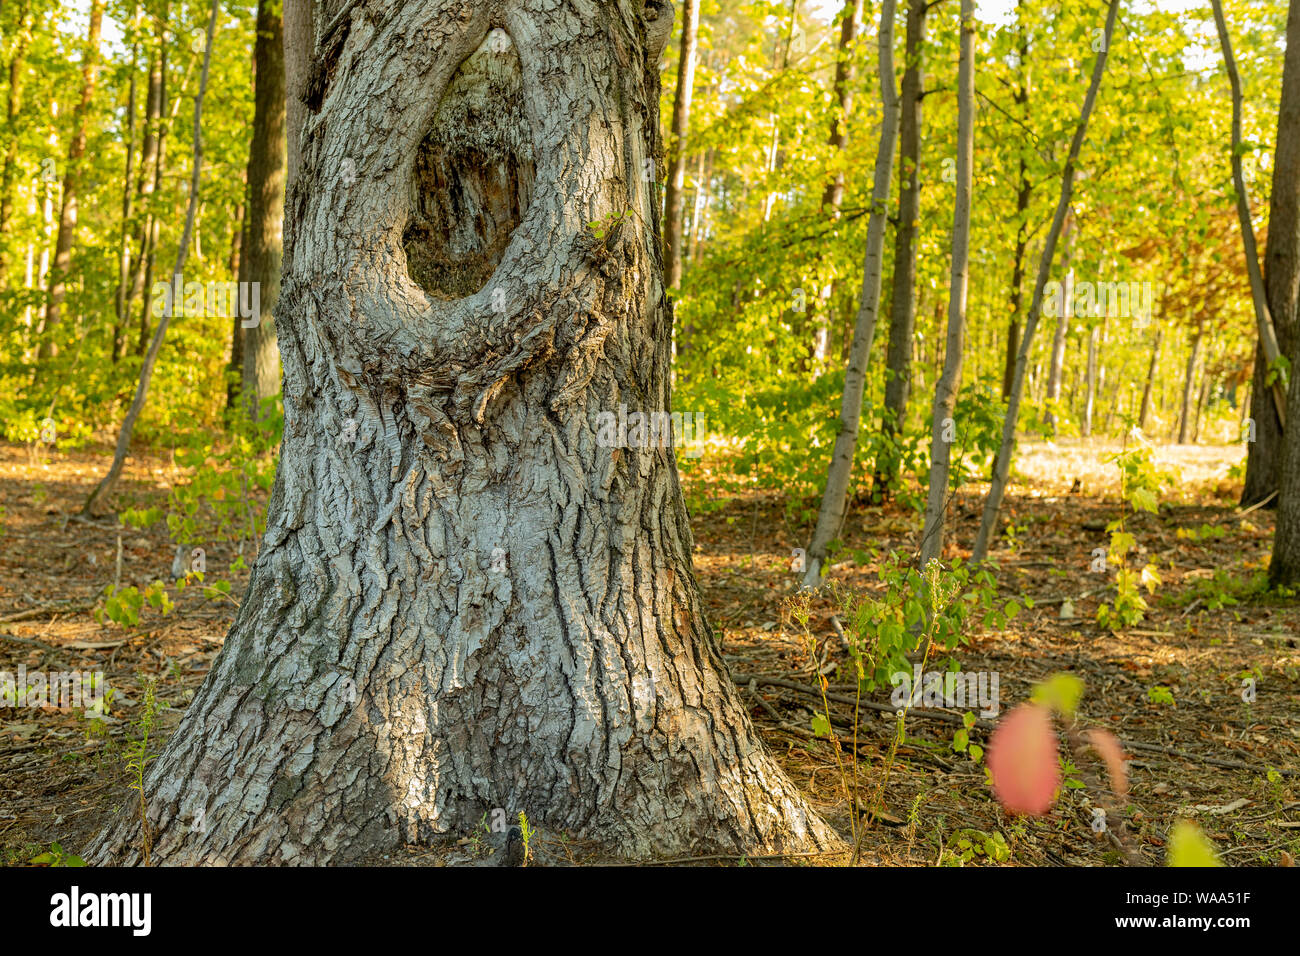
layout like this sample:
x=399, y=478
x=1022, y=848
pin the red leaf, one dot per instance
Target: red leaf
x=1022, y=760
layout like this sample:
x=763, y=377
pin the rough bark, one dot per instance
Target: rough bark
x=62, y=263
x=902, y=312
x=1002, y=464
x=674, y=196
x=830, y=517
x=464, y=601
x=945, y=393
x=1281, y=276
x=262, y=252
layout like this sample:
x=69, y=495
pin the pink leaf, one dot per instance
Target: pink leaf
x=1023, y=762
x=1107, y=746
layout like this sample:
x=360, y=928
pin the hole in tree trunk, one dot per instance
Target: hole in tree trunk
x=474, y=173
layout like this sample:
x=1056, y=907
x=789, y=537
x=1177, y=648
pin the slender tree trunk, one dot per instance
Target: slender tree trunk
x=1057, y=362
x=261, y=257
x=145, y=177
x=943, y=432
x=62, y=264
x=833, y=194
x=1264, y=321
x=483, y=605
x=235, y=368
x=1207, y=383
x=1002, y=465
x=678, y=143
x=1265, y=454
x=902, y=313
x=1090, y=395
x=104, y=490
x=1189, y=380
x=120, y=306
x=834, y=504
x=1023, y=195
x=1145, y=413
x=17, y=69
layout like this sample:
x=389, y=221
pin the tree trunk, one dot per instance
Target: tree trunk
x=1090, y=394
x=1023, y=195
x=17, y=68
x=261, y=255
x=833, y=194
x=1002, y=465
x=902, y=313
x=830, y=518
x=1189, y=379
x=104, y=490
x=1057, y=362
x=943, y=432
x=1264, y=321
x=62, y=264
x=1282, y=280
x=676, y=191
x=466, y=599
x=1151, y=377
x=120, y=305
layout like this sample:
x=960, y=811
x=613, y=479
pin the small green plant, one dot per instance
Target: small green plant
x=56, y=856
x=527, y=833
x=1159, y=694
x=138, y=758
x=601, y=228
x=1140, y=485
x=976, y=846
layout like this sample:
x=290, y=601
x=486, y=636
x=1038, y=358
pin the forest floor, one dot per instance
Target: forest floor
x=1170, y=687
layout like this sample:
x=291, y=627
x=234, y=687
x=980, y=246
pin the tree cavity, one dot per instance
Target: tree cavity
x=474, y=175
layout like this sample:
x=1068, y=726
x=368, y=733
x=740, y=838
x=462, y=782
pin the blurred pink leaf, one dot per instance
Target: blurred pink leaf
x=1023, y=762
x=1107, y=746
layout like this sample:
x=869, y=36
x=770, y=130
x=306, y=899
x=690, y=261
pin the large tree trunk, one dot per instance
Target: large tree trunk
x=902, y=313
x=674, y=196
x=1002, y=464
x=1281, y=277
x=262, y=253
x=62, y=264
x=943, y=432
x=830, y=517
x=466, y=599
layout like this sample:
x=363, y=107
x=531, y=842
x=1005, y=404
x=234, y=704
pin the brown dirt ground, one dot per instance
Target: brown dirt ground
x=61, y=775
